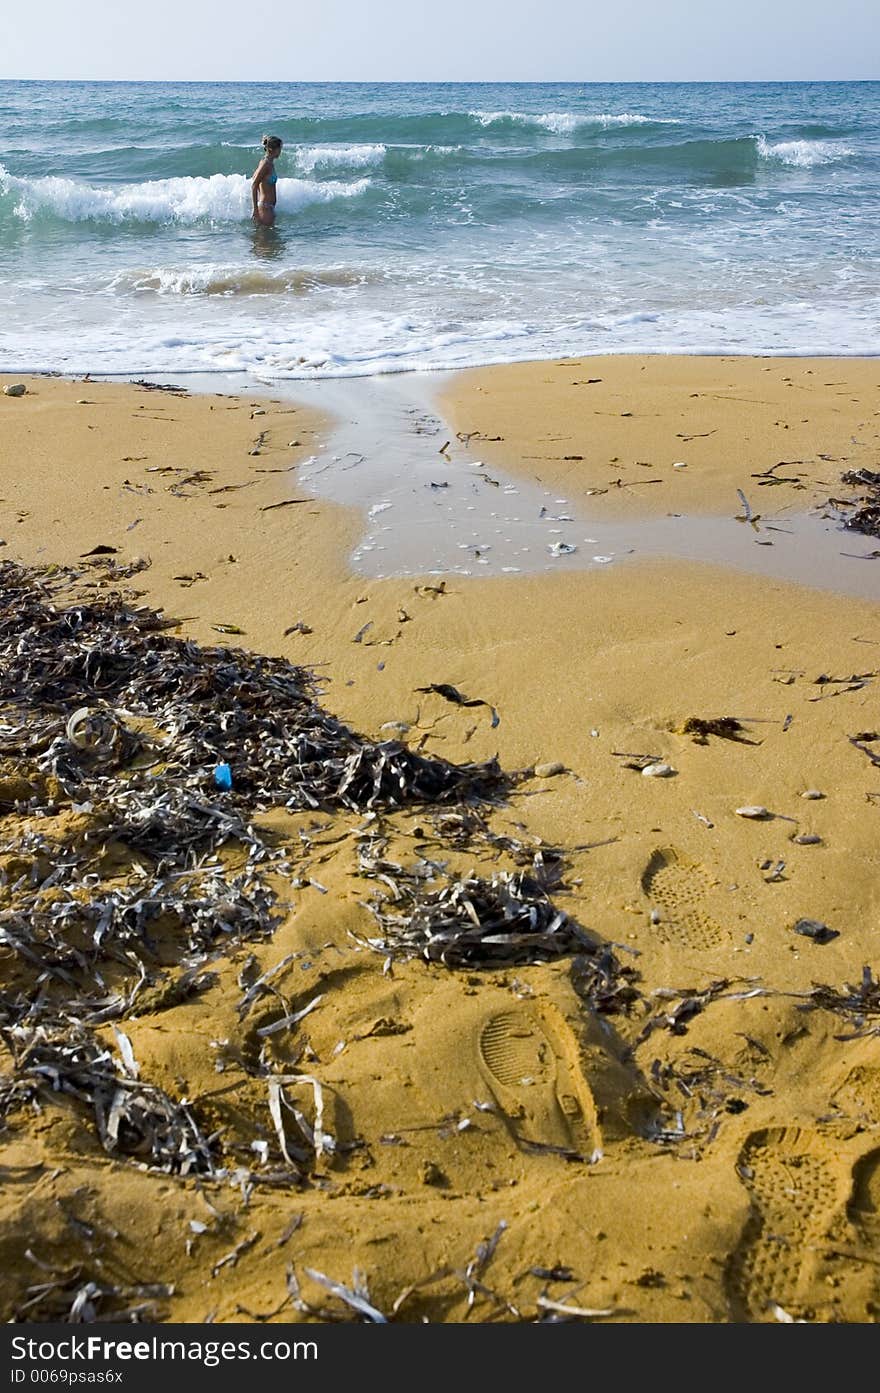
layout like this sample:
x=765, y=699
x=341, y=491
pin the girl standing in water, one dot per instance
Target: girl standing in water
x=264, y=181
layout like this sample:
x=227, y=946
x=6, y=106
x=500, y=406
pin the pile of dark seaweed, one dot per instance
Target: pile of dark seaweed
x=478, y=922
x=110, y=733
x=866, y=518
x=256, y=713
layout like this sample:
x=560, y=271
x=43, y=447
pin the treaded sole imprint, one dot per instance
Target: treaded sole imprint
x=794, y=1181
x=531, y=1062
x=678, y=888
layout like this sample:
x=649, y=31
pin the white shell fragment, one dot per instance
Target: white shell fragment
x=546, y=771
x=752, y=811
x=680, y=464
x=561, y=548
x=812, y=793
x=658, y=771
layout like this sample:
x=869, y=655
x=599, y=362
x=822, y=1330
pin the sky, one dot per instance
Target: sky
x=446, y=40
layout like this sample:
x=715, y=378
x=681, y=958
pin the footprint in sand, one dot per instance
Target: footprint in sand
x=863, y=1210
x=678, y=889
x=796, y=1184
x=859, y=1094
x=531, y=1062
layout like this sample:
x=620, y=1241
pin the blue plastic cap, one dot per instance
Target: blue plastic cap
x=223, y=776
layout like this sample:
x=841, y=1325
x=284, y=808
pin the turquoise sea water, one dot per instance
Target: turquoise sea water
x=433, y=226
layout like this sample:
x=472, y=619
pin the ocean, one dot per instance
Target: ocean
x=433, y=226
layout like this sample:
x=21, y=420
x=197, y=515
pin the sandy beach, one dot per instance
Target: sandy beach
x=674, y=1118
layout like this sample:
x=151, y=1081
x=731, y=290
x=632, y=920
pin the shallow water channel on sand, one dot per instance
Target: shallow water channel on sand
x=431, y=506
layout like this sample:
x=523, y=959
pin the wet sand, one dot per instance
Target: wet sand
x=726, y=1125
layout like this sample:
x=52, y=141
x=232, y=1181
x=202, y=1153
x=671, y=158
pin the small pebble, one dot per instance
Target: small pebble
x=816, y=930
x=812, y=793
x=15, y=389
x=546, y=771
x=807, y=839
x=752, y=811
x=658, y=771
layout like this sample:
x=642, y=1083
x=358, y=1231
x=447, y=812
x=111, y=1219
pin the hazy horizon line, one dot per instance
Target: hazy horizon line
x=457, y=82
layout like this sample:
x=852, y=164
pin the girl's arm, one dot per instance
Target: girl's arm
x=257, y=181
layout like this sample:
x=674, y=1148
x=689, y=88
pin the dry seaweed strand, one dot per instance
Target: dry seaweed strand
x=865, y=515
x=857, y=1003
x=70, y=1297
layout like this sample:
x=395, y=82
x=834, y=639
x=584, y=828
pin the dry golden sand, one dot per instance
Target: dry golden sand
x=771, y=1203
x=602, y=428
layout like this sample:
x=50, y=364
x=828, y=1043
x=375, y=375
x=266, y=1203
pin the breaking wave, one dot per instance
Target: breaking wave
x=218, y=198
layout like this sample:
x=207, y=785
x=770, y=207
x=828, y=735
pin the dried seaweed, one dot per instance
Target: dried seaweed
x=160, y=387
x=116, y=725
x=691, y=1002
x=604, y=984
x=476, y=922
x=861, y=742
x=450, y=693
x=466, y=826
x=859, y=1004
x=867, y=478
x=132, y=1118
x=357, y=1298
x=70, y=1296
x=705, y=1089
x=257, y=713
x=724, y=727
x=866, y=517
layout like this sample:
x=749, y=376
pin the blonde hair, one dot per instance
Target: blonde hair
x=272, y=142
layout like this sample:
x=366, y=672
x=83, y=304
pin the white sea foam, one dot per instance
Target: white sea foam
x=311, y=157
x=219, y=198
x=342, y=340
x=566, y=122
x=802, y=154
